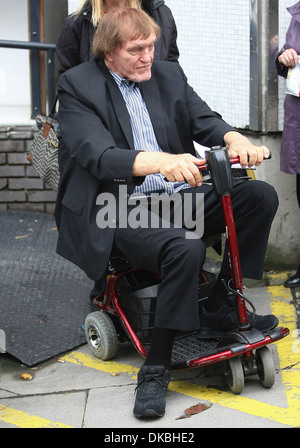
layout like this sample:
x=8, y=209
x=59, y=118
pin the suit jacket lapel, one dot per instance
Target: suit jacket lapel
x=118, y=104
x=121, y=112
x=152, y=99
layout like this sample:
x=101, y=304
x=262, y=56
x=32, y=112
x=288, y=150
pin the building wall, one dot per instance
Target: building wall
x=213, y=39
x=20, y=186
x=14, y=91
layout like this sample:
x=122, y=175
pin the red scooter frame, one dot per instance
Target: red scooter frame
x=236, y=346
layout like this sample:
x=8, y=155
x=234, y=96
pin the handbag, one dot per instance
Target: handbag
x=43, y=153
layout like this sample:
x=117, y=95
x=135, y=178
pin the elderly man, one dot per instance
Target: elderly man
x=127, y=121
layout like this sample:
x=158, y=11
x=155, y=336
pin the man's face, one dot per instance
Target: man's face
x=133, y=60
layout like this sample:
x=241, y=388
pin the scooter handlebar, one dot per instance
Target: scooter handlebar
x=232, y=161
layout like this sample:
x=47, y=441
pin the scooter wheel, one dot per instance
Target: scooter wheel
x=101, y=335
x=265, y=367
x=235, y=375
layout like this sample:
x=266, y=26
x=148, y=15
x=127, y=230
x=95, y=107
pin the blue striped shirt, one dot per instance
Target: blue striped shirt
x=144, y=137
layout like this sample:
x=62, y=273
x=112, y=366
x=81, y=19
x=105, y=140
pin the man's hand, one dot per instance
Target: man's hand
x=175, y=167
x=240, y=146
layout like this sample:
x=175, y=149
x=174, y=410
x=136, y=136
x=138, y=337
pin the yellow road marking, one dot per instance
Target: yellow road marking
x=24, y=420
x=104, y=366
x=237, y=402
x=289, y=356
x=288, y=348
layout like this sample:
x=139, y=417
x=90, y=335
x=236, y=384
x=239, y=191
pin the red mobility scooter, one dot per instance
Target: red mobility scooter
x=127, y=308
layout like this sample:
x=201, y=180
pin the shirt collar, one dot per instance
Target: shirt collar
x=121, y=81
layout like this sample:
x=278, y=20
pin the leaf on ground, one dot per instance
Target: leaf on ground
x=26, y=376
x=196, y=409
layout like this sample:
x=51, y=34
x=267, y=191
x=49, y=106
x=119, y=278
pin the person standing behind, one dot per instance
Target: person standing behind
x=290, y=146
x=74, y=43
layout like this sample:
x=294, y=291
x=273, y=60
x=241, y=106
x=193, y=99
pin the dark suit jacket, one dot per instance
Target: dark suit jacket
x=96, y=147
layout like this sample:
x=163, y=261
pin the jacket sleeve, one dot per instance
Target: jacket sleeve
x=166, y=48
x=68, y=46
x=282, y=70
x=174, y=51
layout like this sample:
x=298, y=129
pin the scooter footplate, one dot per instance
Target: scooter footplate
x=193, y=351
x=191, y=347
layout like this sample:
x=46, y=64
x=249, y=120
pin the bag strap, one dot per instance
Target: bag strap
x=53, y=107
x=50, y=118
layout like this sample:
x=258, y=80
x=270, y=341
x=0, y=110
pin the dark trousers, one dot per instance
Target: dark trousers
x=178, y=259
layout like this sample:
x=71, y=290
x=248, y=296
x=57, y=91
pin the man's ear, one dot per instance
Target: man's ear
x=108, y=56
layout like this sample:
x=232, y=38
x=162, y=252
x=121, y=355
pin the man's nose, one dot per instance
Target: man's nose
x=147, y=55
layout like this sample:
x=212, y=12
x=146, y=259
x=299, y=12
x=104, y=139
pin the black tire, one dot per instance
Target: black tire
x=235, y=375
x=265, y=367
x=101, y=335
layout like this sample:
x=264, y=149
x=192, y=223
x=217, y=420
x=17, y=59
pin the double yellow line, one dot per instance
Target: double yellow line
x=289, y=359
x=24, y=420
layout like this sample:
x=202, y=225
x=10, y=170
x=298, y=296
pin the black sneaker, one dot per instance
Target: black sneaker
x=263, y=323
x=218, y=323
x=150, y=392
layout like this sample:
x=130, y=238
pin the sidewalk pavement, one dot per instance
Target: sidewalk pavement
x=73, y=389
